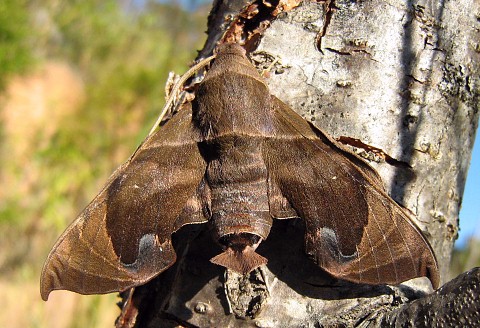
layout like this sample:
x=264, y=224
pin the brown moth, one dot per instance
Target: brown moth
x=237, y=158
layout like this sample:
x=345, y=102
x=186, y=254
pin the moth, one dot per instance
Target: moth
x=237, y=158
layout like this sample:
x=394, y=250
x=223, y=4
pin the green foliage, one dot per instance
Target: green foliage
x=464, y=259
x=123, y=58
x=14, y=48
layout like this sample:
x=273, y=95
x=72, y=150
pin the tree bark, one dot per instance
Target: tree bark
x=399, y=76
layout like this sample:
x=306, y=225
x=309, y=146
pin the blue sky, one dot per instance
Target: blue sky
x=470, y=212
x=190, y=5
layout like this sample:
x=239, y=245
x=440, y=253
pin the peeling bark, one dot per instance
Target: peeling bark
x=402, y=77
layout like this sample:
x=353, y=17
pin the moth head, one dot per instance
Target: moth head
x=226, y=49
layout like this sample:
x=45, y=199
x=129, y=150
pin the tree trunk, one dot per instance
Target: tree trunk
x=402, y=77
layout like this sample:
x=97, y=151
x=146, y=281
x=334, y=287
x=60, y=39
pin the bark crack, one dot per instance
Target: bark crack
x=376, y=152
x=348, y=52
x=329, y=7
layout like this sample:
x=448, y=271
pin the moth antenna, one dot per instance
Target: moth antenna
x=242, y=262
x=195, y=68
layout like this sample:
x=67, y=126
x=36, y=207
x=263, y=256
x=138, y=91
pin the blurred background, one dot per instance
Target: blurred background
x=81, y=83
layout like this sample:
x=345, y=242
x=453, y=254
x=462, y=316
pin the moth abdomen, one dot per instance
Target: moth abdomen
x=238, y=241
x=239, y=254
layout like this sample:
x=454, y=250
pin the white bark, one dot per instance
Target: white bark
x=402, y=76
